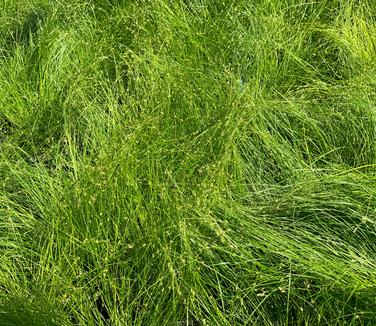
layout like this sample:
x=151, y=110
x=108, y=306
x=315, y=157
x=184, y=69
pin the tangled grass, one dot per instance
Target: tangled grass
x=187, y=162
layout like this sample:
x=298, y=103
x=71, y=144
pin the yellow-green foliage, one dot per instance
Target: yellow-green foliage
x=187, y=162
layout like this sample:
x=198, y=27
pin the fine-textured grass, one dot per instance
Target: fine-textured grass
x=187, y=162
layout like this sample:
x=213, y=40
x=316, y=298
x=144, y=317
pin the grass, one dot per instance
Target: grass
x=187, y=162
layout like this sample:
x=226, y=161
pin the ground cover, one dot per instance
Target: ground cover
x=187, y=162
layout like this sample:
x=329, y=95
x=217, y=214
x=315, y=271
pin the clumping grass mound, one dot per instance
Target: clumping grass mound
x=187, y=162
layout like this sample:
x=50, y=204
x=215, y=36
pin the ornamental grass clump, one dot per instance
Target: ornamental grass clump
x=187, y=162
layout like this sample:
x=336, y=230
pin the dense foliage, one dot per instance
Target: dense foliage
x=175, y=162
